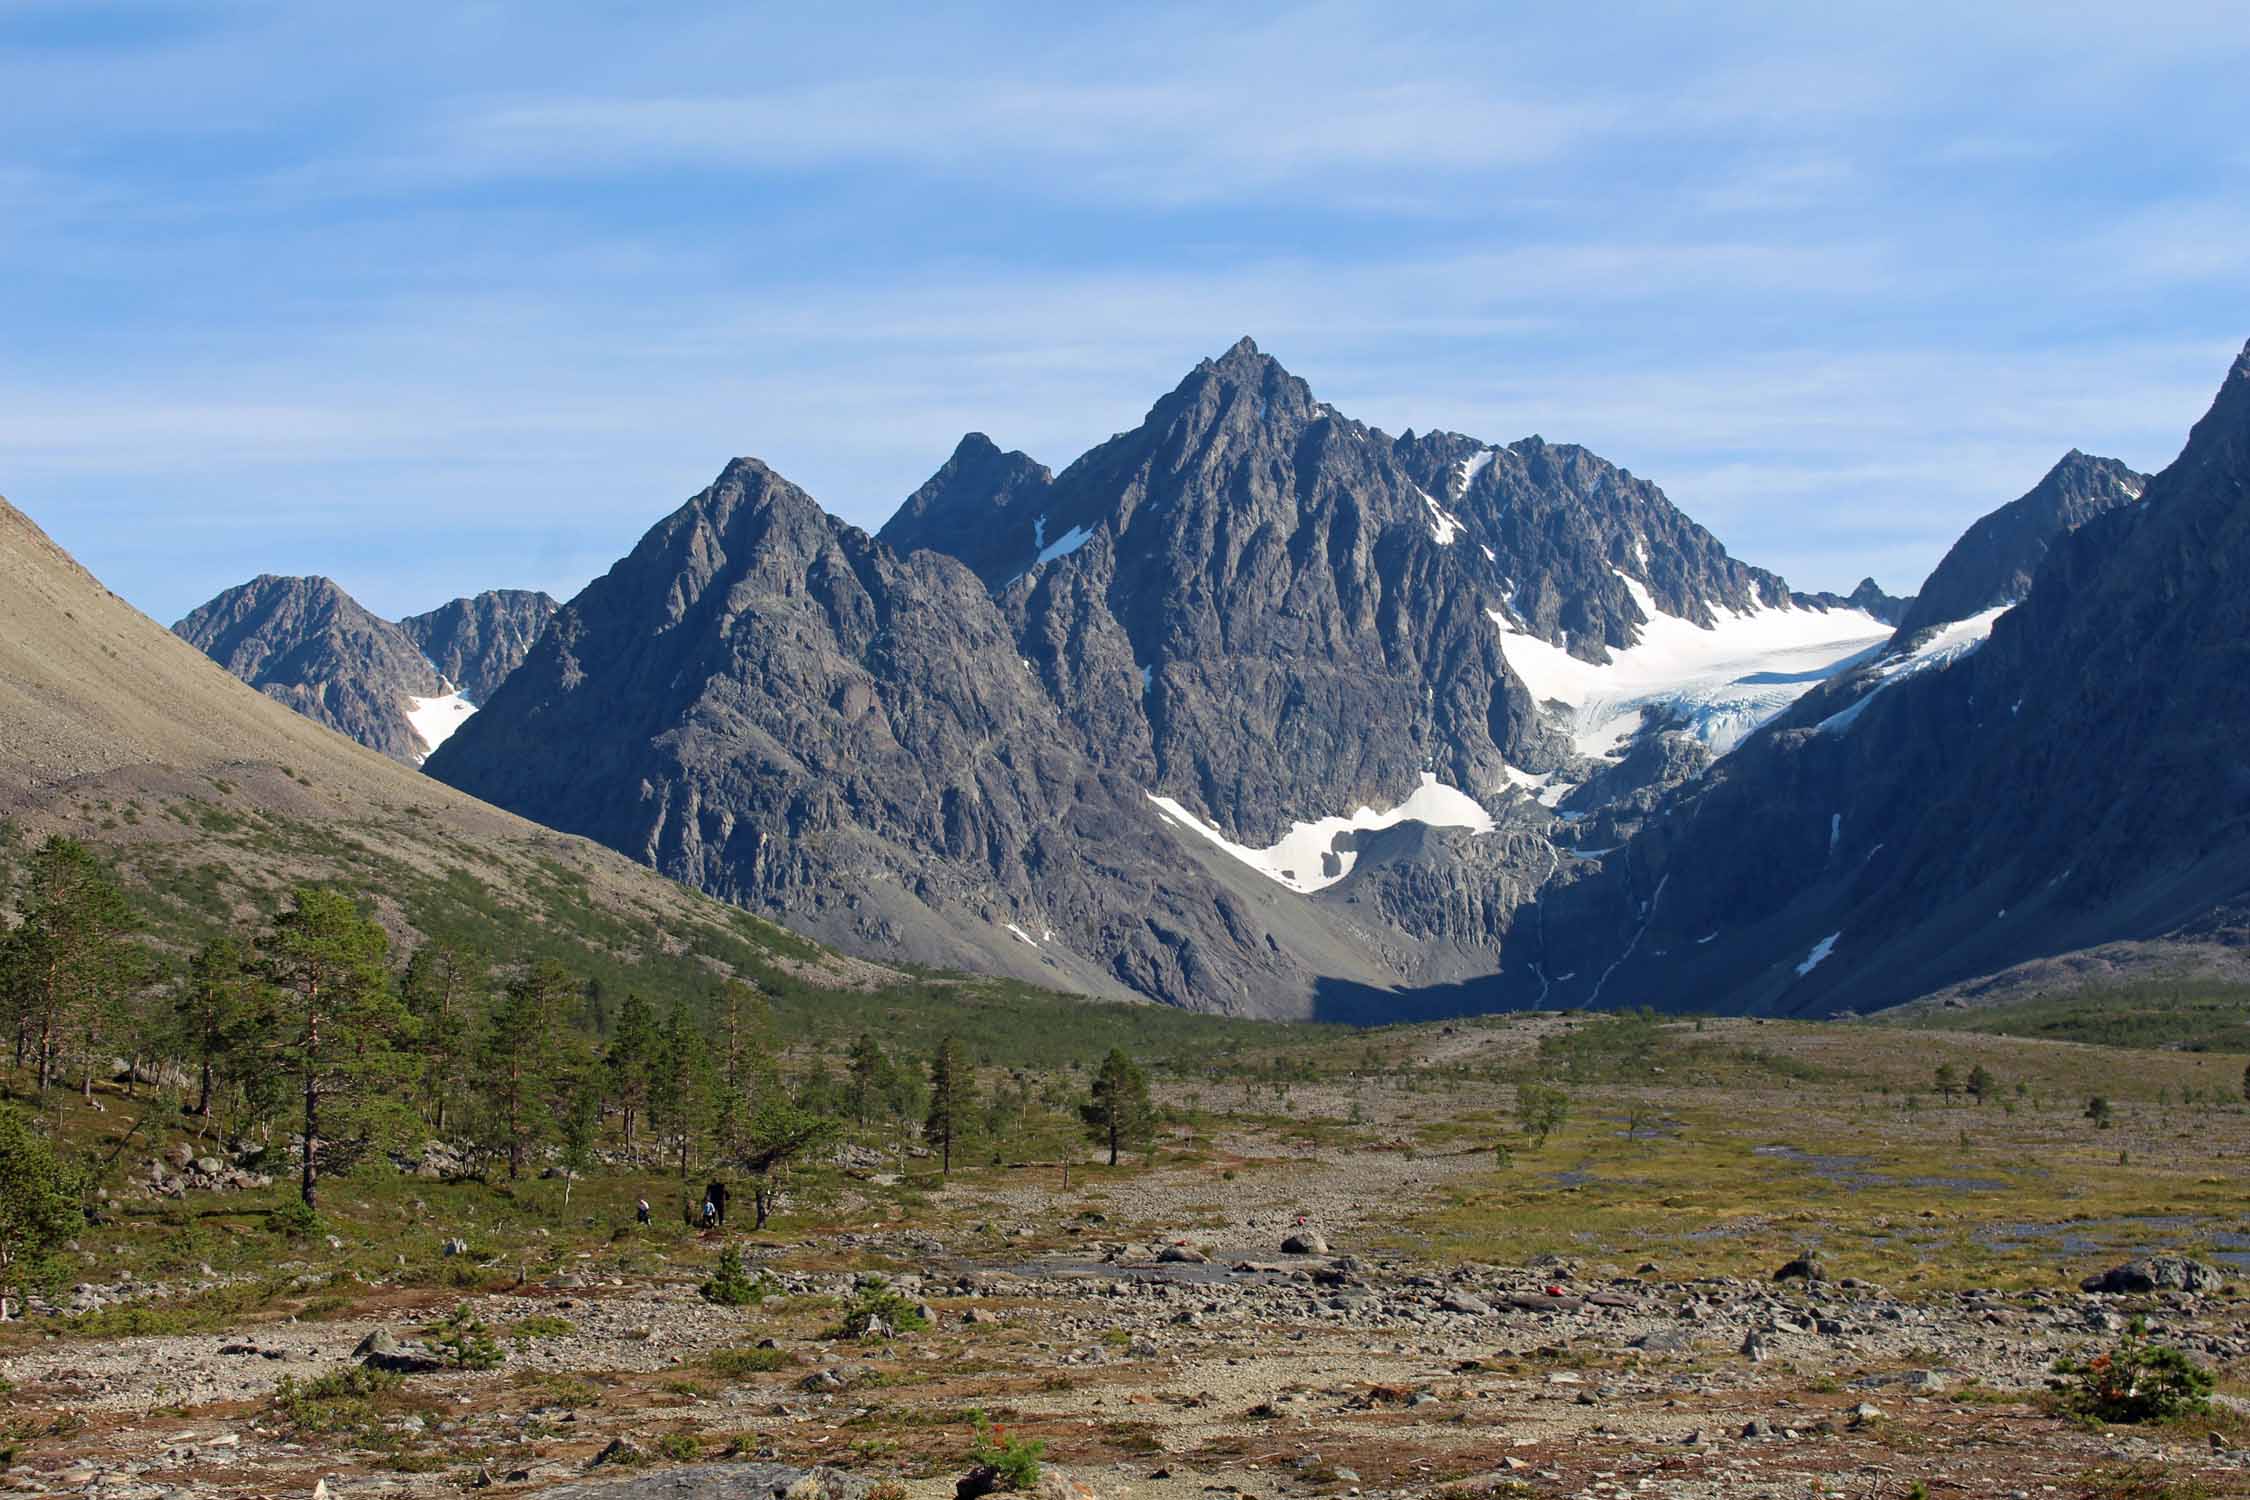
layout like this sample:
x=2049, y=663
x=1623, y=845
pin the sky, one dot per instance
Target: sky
x=438, y=298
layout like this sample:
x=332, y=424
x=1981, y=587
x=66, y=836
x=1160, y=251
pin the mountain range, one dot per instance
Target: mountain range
x=1258, y=709
x=399, y=687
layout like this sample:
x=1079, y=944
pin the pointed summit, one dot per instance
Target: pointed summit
x=306, y=643
x=1994, y=561
x=982, y=506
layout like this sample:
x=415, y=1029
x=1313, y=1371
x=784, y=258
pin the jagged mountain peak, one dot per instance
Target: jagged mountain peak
x=476, y=641
x=978, y=506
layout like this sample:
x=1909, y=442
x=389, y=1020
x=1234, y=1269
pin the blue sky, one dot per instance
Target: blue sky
x=434, y=298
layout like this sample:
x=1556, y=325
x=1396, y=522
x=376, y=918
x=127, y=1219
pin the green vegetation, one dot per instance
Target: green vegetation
x=465, y=1341
x=733, y=1364
x=877, y=1306
x=1014, y=1461
x=2136, y=1381
x=39, y=1206
x=731, y=1285
x=2193, y=1015
x=1119, y=1114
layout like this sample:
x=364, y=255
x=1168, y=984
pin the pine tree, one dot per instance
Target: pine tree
x=1982, y=1083
x=781, y=1132
x=214, y=1003
x=871, y=1090
x=1119, y=1113
x=443, y=991
x=523, y=1064
x=67, y=963
x=630, y=1062
x=952, y=1099
x=39, y=1205
x=683, y=1088
x=581, y=1130
x=745, y=1061
x=337, y=1029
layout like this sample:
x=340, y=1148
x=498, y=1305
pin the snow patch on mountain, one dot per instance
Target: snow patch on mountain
x=435, y=719
x=1062, y=546
x=1820, y=951
x=1470, y=467
x=1306, y=859
x=1444, y=527
x=1940, y=648
x=1724, y=681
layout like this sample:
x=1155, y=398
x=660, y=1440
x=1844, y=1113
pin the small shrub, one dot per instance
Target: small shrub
x=876, y=1302
x=1015, y=1461
x=2141, y=1481
x=466, y=1342
x=680, y=1447
x=736, y=1363
x=339, y=1401
x=2136, y=1381
x=296, y=1220
x=731, y=1285
x=540, y=1326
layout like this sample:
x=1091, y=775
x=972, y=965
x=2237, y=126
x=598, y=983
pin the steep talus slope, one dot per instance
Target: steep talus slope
x=217, y=797
x=2076, y=778
x=476, y=642
x=306, y=643
x=1995, y=560
x=772, y=706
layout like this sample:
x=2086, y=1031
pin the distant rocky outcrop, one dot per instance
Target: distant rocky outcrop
x=476, y=642
x=1868, y=598
x=1996, y=559
x=307, y=643
x=398, y=687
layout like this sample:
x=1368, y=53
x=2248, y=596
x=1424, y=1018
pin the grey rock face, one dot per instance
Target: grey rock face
x=307, y=643
x=1996, y=559
x=476, y=642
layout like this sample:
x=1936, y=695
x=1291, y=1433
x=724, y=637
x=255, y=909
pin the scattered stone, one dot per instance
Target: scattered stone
x=1305, y=1242
x=381, y=1341
x=1803, y=1268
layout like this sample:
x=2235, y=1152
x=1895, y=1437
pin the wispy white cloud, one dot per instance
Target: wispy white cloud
x=477, y=291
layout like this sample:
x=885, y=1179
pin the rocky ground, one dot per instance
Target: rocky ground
x=1259, y=1317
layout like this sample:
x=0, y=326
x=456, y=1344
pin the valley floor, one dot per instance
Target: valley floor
x=1597, y=1317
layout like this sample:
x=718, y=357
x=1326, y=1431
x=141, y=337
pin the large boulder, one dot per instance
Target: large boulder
x=753, y=1481
x=2156, y=1273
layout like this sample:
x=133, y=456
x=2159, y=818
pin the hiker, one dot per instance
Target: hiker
x=640, y=1211
x=710, y=1214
